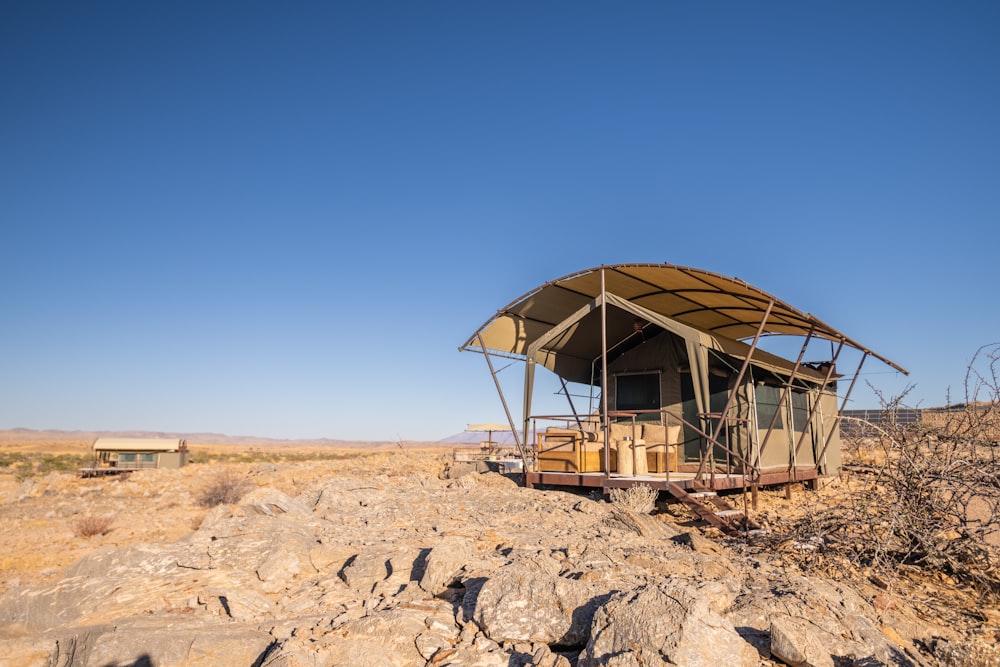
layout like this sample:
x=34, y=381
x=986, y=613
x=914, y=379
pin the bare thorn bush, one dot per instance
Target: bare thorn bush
x=640, y=498
x=226, y=488
x=924, y=498
x=89, y=526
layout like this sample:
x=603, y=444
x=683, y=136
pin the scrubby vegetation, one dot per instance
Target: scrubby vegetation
x=225, y=488
x=90, y=526
x=25, y=465
x=207, y=455
x=920, y=502
x=640, y=498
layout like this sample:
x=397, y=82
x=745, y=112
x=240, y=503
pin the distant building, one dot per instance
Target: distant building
x=853, y=423
x=139, y=453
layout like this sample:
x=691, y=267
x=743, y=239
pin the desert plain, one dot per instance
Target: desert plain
x=387, y=554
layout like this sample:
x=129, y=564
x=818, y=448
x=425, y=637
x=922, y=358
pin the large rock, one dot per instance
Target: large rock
x=663, y=624
x=527, y=604
x=271, y=502
x=797, y=644
x=200, y=646
x=159, y=641
x=87, y=599
x=543, y=576
x=838, y=618
x=445, y=562
x=643, y=525
x=391, y=633
x=368, y=568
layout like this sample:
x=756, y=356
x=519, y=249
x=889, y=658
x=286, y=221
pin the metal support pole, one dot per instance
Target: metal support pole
x=529, y=386
x=787, y=391
x=510, y=419
x=743, y=370
x=840, y=413
x=604, y=378
x=572, y=408
x=724, y=416
x=812, y=411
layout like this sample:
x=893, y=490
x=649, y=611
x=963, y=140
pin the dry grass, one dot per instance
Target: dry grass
x=226, y=488
x=640, y=498
x=91, y=526
x=915, y=515
x=231, y=454
x=37, y=511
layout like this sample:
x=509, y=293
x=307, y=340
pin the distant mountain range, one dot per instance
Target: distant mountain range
x=32, y=435
x=475, y=437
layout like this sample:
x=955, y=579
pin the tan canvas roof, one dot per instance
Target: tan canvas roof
x=482, y=428
x=725, y=309
x=137, y=444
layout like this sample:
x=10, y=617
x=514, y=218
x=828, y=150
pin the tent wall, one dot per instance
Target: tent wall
x=830, y=461
x=777, y=450
x=662, y=354
x=690, y=396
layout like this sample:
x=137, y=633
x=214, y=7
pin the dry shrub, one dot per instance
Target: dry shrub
x=640, y=498
x=89, y=526
x=924, y=499
x=225, y=488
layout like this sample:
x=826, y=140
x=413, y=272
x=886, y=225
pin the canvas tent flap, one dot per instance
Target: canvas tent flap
x=720, y=310
x=569, y=348
x=486, y=428
x=137, y=445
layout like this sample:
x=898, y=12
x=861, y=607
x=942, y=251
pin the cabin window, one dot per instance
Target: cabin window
x=800, y=409
x=767, y=406
x=127, y=457
x=638, y=391
x=147, y=457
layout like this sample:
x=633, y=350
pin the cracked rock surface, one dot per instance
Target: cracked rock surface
x=377, y=561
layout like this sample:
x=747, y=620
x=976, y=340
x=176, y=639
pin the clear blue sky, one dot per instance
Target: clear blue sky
x=282, y=219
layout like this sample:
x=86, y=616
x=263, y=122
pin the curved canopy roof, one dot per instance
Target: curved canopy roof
x=722, y=307
x=137, y=444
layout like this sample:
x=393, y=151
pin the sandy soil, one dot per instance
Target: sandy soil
x=41, y=514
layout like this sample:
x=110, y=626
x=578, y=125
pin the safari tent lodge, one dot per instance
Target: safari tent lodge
x=678, y=392
x=115, y=455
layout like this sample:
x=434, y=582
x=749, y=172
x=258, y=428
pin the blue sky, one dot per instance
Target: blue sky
x=283, y=219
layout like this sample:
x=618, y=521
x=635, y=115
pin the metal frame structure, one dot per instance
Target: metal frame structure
x=548, y=325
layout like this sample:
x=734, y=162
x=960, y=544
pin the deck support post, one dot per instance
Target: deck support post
x=510, y=420
x=815, y=408
x=724, y=416
x=840, y=413
x=604, y=377
x=786, y=392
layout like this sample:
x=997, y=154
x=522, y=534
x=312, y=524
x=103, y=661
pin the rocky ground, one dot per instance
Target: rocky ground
x=376, y=560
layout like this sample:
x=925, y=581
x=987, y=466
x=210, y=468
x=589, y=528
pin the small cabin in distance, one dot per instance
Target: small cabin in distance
x=139, y=453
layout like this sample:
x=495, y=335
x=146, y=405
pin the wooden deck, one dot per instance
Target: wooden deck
x=684, y=480
x=103, y=472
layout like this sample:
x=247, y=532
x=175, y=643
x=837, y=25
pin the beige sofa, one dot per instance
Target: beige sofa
x=662, y=443
x=577, y=451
